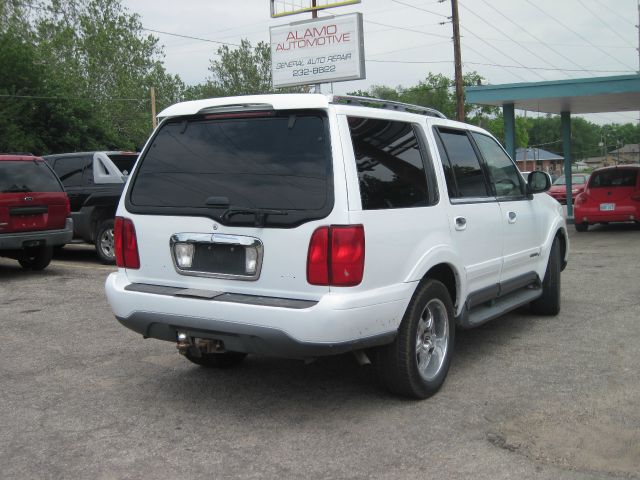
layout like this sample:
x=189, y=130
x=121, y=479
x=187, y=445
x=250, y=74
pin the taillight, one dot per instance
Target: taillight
x=67, y=206
x=581, y=198
x=336, y=256
x=125, y=243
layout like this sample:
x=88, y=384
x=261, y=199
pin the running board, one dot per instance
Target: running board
x=495, y=308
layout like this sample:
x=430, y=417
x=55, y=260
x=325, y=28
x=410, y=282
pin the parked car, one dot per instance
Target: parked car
x=559, y=187
x=302, y=225
x=34, y=211
x=94, y=183
x=612, y=195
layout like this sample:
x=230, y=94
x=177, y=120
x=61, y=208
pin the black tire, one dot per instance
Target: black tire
x=36, y=258
x=104, y=242
x=398, y=364
x=217, y=360
x=549, y=302
x=581, y=226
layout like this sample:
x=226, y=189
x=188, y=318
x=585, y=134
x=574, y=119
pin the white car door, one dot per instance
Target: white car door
x=474, y=214
x=521, y=229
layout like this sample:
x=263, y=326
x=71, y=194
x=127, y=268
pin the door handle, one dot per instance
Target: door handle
x=512, y=217
x=461, y=223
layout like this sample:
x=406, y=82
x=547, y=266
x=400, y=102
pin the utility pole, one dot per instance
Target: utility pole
x=314, y=15
x=154, y=120
x=455, y=20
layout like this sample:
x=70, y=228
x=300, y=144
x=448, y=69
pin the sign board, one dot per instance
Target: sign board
x=329, y=49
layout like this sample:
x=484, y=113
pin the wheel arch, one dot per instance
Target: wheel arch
x=446, y=274
x=98, y=215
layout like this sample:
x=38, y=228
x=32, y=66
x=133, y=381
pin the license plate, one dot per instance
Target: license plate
x=607, y=207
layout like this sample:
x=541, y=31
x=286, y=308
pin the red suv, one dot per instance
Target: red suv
x=34, y=211
x=612, y=195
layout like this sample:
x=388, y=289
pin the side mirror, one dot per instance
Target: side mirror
x=538, y=182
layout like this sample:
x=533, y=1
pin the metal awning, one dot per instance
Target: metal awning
x=582, y=95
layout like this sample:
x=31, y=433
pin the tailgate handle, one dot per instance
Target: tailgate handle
x=28, y=210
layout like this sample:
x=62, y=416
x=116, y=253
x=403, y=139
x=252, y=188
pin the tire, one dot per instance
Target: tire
x=549, y=302
x=217, y=360
x=582, y=227
x=104, y=242
x=36, y=258
x=416, y=363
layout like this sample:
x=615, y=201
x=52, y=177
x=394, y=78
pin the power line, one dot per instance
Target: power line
x=42, y=97
x=420, y=8
x=555, y=67
x=603, y=22
x=564, y=25
x=422, y=32
x=505, y=54
x=410, y=48
x=190, y=37
x=518, y=76
x=613, y=11
x=532, y=35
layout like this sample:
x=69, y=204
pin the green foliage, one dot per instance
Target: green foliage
x=89, y=67
x=244, y=70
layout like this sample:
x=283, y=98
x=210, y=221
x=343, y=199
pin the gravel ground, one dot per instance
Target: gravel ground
x=526, y=396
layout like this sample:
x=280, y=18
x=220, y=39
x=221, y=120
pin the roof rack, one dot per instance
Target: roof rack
x=387, y=104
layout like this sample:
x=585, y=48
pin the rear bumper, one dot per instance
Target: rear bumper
x=50, y=238
x=337, y=323
x=594, y=215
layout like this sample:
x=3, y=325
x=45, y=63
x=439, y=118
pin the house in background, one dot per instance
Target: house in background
x=529, y=159
x=630, y=153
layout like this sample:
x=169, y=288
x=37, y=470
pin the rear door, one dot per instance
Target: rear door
x=31, y=197
x=247, y=190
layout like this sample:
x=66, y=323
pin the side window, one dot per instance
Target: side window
x=463, y=172
x=69, y=170
x=87, y=177
x=390, y=164
x=502, y=172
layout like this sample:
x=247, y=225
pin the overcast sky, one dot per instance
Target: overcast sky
x=506, y=41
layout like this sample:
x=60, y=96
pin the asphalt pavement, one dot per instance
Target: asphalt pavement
x=526, y=396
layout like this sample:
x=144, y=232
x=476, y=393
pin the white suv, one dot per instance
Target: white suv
x=303, y=225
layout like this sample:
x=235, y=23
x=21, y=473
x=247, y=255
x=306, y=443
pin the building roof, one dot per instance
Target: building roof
x=536, y=154
x=628, y=148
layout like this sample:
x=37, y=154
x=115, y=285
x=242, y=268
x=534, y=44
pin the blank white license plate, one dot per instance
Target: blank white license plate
x=607, y=207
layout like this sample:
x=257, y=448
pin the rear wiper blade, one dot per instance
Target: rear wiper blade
x=260, y=214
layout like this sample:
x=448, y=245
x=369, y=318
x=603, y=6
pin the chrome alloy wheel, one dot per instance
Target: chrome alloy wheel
x=106, y=243
x=432, y=339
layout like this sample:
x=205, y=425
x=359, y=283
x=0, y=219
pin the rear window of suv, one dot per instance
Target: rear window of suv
x=277, y=161
x=27, y=176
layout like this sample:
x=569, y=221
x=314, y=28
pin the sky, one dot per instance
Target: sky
x=505, y=41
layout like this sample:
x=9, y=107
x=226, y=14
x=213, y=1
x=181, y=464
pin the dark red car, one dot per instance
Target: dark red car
x=558, y=189
x=612, y=195
x=34, y=211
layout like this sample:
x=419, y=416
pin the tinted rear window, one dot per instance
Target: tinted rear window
x=124, y=162
x=27, y=176
x=279, y=162
x=622, y=177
